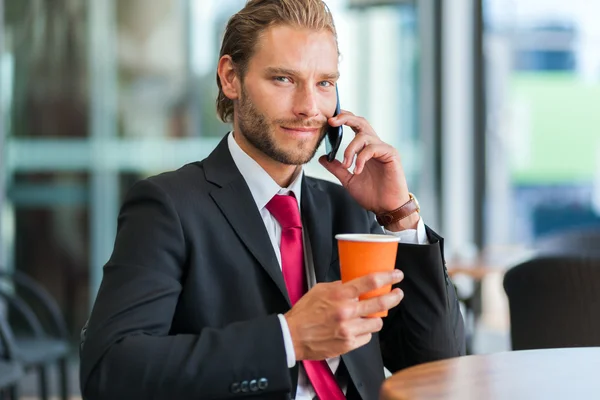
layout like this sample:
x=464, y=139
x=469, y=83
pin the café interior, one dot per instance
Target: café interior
x=492, y=104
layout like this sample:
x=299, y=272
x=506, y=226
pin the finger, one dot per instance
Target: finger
x=358, y=124
x=337, y=169
x=349, y=119
x=358, y=286
x=379, y=303
x=356, y=146
x=357, y=342
x=336, y=121
x=349, y=330
x=362, y=340
x=378, y=151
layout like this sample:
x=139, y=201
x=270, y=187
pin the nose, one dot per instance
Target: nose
x=305, y=102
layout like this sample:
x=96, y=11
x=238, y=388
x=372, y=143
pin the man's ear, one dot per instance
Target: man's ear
x=228, y=77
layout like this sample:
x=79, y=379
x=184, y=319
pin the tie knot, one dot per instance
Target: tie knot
x=285, y=210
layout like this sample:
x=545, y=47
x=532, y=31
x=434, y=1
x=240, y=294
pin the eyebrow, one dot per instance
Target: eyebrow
x=291, y=72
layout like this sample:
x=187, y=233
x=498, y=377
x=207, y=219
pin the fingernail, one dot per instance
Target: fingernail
x=398, y=274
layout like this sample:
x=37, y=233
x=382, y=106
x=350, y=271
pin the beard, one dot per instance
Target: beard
x=261, y=134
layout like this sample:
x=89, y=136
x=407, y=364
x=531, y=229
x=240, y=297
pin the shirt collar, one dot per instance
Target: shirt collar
x=260, y=183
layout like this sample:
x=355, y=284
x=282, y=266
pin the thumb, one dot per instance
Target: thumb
x=337, y=169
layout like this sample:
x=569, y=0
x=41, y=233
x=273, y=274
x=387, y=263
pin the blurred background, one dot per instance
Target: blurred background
x=493, y=104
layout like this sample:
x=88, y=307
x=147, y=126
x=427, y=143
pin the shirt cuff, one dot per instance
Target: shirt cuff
x=287, y=340
x=412, y=236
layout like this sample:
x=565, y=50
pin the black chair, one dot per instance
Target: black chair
x=10, y=370
x=554, y=302
x=42, y=346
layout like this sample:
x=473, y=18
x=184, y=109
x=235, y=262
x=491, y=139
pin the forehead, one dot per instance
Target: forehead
x=301, y=49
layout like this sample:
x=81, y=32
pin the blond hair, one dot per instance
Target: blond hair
x=245, y=27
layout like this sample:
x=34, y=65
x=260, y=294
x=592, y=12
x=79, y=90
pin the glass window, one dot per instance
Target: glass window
x=544, y=136
x=52, y=237
x=44, y=68
x=151, y=56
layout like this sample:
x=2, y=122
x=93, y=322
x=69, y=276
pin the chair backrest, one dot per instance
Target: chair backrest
x=43, y=298
x=554, y=302
x=7, y=345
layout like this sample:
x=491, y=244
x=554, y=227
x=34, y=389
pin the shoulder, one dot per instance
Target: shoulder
x=188, y=176
x=179, y=185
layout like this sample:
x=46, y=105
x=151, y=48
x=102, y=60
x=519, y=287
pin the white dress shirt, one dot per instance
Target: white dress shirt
x=263, y=188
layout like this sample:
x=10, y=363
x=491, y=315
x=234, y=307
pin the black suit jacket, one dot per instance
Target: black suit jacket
x=188, y=304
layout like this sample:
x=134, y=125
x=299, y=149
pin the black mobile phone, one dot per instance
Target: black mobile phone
x=333, y=138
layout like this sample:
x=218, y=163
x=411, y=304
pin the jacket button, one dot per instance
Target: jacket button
x=253, y=385
x=244, y=386
x=235, y=388
x=263, y=383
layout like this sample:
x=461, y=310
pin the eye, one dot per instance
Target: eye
x=283, y=79
x=326, y=83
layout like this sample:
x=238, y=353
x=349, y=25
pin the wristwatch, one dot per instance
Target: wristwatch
x=411, y=206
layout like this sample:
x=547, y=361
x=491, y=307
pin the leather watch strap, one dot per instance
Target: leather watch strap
x=411, y=206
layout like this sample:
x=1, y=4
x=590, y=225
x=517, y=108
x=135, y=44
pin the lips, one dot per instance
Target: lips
x=301, y=129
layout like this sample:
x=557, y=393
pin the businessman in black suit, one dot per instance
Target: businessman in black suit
x=199, y=301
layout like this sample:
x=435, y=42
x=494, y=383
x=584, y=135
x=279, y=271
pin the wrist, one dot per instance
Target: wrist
x=410, y=222
x=404, y=217
x=293, y=334
x=290, y=355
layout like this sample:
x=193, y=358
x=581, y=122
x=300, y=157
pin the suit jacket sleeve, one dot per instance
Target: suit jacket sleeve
x=129, y=352
x=427, y=325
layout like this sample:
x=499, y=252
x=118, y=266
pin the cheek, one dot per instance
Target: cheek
x=327, y=103
x=276, y=104
x=275, y=101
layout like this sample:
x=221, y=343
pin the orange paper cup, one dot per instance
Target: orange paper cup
x=363, y=254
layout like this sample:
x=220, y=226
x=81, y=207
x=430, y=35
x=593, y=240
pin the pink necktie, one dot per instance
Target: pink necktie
x=285, y=210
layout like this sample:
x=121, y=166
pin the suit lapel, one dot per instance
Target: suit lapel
x=317, y=217
x=235, y=201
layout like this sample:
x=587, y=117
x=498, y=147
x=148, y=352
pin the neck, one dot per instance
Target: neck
x=282, y=174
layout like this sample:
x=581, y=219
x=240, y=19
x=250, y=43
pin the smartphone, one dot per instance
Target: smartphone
x=333, y=138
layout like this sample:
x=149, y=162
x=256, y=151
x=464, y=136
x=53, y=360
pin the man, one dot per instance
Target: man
x=199, y=299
